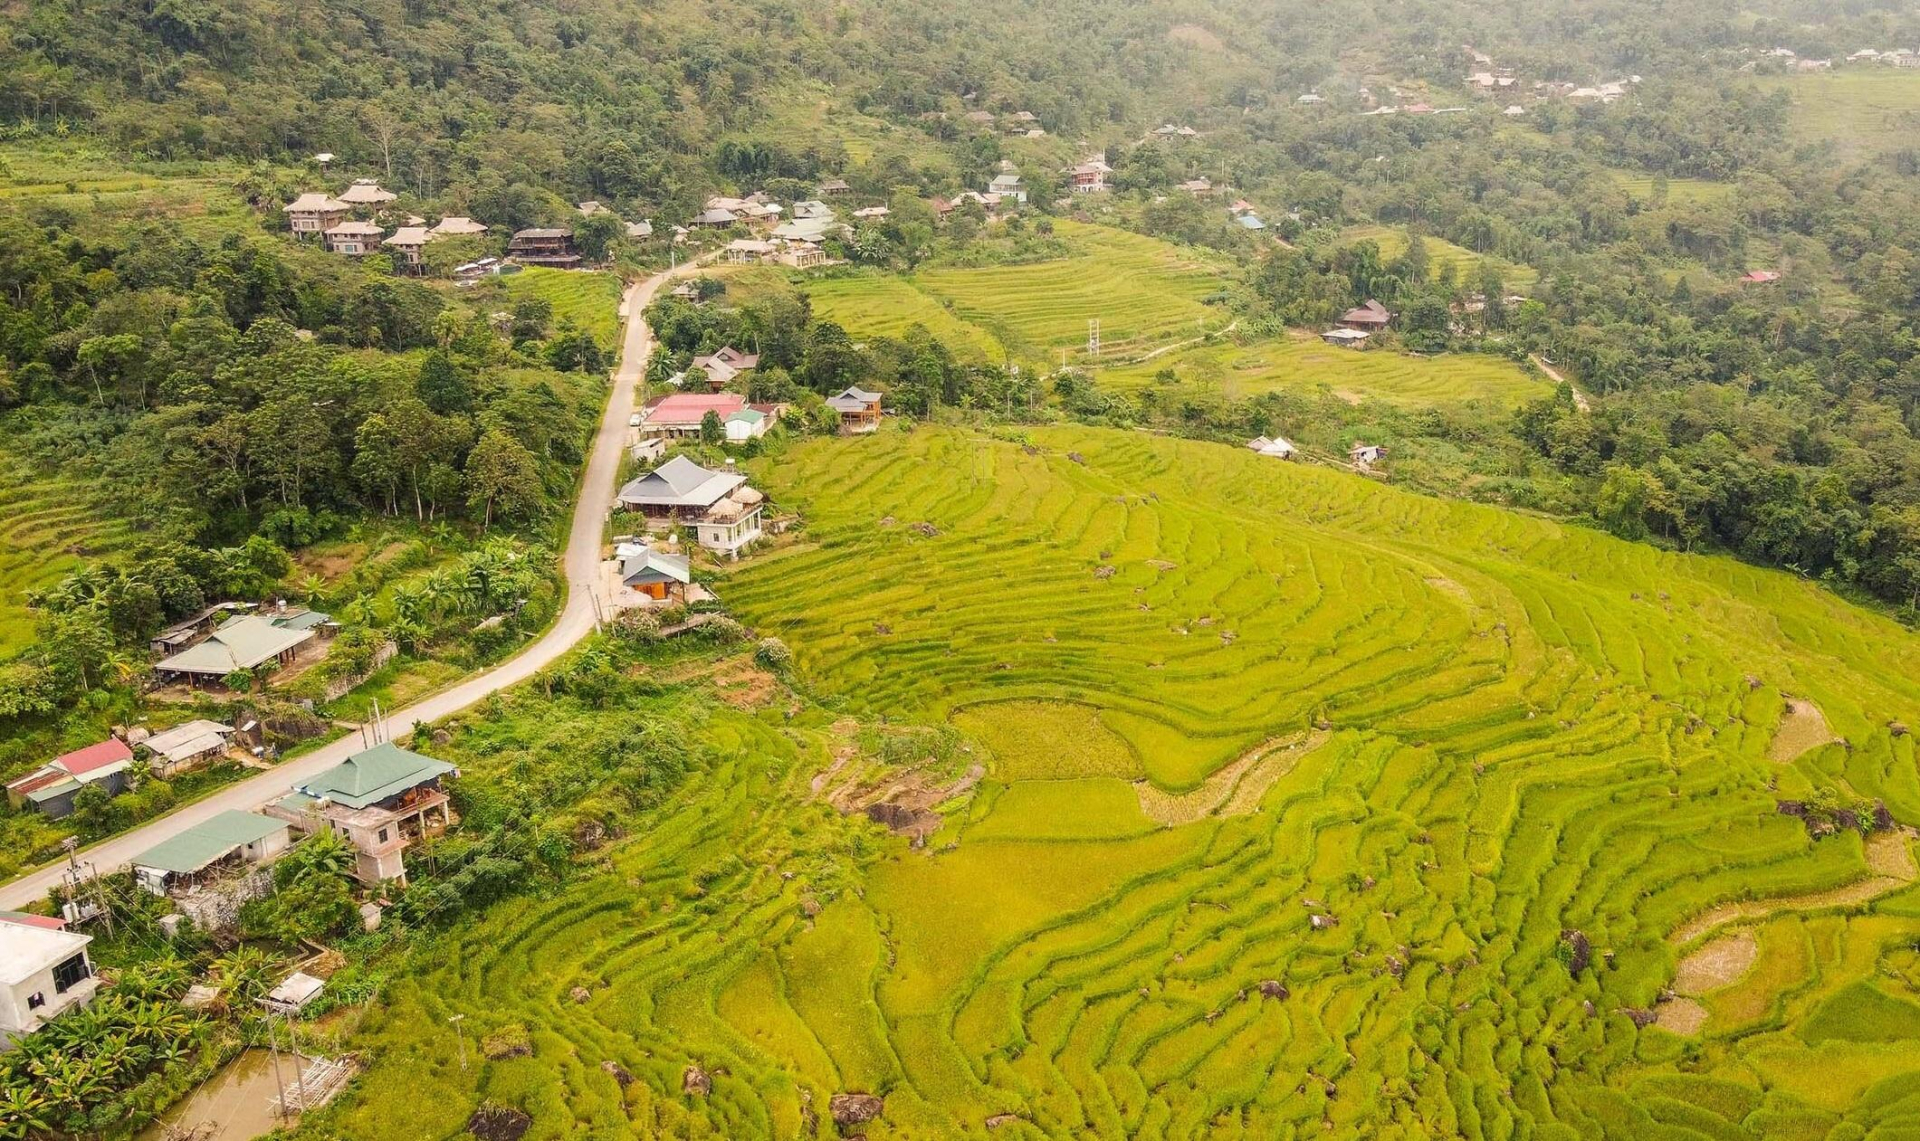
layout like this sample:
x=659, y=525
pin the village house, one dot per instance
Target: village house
x=640, y=230
x=871, y=213
x=760, y=213
x=1364, y=456
x=658, y=575
x=812, y=210
x=407, y=244
x=747, y=424
x=1760, y=277
x=731, y=357
x=715, y=218
x=379, y=800
x=1007, y=184
x=814, y=230
x=313, y=214
x=457, y=227
x=353, y=238
x=1276, y=447
x=44, y=972
x=194, y=856
x=1090, y=177
x=189, y=630
x=1346, y=338
x=366, y=194
x=679, y=415
x=247, y=642
x=1514, y=111
x=1249, y=221
x=548, y=247
x=591, y=207
x=1311, y=99
x=722, y=510
x=182, y=747
x=1366, y=318
x=801, y=254
x=859, y=410
x=742, y=251
x=50, y=789
x=1198, y=187
x=834, y=186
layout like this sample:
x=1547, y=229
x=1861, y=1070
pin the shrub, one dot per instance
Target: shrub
x=774, y=655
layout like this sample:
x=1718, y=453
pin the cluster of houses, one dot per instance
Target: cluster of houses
x=719, y=509
x=51, y=788
x=380, y=801
x=1897, y=57
x=788, y=238
x=350, y=225
x=1362, y=456
x=1019, y=124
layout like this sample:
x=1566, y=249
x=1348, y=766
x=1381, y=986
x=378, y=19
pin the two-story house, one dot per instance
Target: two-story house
x=378, y=800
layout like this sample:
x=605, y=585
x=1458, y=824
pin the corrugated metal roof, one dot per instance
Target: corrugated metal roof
x=373, y=775
x=194, y=848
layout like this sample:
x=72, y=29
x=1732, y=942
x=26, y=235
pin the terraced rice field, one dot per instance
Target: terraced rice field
x=1144, y=292
x=1680, y=191
x=1863, y=111
x=883, y=305
x=590, y=299
x=1460, y=734
x=199, y=195
x=1393, y=242
x=1302, y=363
x=48, y=528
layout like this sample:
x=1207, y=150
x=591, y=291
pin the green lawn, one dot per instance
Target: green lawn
x=1300, y=363
x=1393, y=242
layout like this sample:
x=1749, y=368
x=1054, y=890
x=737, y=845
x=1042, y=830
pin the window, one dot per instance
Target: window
x=383, y=835
x=70, y=974
x=36, y=1000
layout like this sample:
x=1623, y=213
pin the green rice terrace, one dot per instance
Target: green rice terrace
x=1145, y=293
x=49, y=527
x=1301, y=363
x=1230, y=798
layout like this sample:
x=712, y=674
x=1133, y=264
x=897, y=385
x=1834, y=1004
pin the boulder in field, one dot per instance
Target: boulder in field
x=696, y=1082
x=852, y=1109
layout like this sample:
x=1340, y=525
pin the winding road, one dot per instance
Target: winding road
x=576, y=621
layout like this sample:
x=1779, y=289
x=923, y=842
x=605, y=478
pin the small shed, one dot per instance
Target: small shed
x=293, y=994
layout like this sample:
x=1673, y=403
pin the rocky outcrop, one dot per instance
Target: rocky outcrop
x=851, y=1110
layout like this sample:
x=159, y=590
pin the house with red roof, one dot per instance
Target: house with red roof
x=1760, y=277
x=50, y=789
x=681, y=413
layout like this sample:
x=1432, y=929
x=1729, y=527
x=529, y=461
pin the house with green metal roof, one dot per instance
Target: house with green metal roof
x=231, y=840
x=245, y=642
x=379, y=800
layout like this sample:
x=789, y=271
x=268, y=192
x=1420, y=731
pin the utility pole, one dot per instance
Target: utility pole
x=299, y=1071
x=273, y=1046
x=79, y=882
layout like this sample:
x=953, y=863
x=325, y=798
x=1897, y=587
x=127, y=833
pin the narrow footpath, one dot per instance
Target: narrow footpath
x=576, y=621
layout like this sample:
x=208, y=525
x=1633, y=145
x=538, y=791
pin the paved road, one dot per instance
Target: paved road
x=575, y=622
